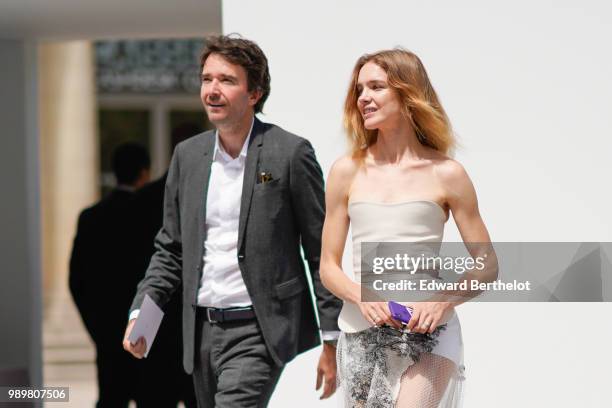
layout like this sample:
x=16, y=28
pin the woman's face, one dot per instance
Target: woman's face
x=378, y=103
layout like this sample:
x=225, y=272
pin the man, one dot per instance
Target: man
x=101, y=281
x=238, y=204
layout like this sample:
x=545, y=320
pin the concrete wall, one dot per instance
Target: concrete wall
x=527, y=87
x=20, y=309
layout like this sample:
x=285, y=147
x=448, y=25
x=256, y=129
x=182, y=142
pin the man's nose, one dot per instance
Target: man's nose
x=212, y=88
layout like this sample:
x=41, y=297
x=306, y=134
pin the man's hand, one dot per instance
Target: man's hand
x=136, y=349
x=326, y=371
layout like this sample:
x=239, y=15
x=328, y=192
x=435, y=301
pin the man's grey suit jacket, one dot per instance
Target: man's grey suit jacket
x=276, y=217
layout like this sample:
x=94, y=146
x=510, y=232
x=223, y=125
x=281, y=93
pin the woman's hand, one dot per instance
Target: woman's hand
x=378, y=314
x=426, y=316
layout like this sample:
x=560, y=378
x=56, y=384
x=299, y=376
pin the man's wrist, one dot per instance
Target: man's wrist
x=331, y=342
x=330, y=337
x=134, y=314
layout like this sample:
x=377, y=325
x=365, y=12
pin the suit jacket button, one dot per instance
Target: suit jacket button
x=241, y=256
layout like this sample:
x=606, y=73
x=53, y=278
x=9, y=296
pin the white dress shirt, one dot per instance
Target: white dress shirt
x=222, y=285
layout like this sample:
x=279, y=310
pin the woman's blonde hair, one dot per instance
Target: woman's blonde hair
x=407, y=76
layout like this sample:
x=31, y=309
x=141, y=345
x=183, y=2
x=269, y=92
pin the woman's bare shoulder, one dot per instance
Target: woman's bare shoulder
x=341, y=177
x=455, y=180
x=449, y=170
x=345, y=166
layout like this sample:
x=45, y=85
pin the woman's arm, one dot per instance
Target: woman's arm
x=462, y=201
x=335, y=230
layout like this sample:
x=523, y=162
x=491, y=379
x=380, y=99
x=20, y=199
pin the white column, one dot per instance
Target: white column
x=69, y=178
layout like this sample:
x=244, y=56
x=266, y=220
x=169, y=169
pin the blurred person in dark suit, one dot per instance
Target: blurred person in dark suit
x=102, y=279
x=163, y=382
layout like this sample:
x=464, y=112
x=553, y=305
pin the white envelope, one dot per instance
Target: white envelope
x=147, y=323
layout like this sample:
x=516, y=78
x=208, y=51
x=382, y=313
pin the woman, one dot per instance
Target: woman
x=397, y=184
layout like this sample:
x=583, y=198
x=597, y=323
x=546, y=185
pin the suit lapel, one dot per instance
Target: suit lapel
x=203, y=177
x=250, y=170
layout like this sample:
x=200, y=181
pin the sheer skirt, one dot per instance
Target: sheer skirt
x=386, y=368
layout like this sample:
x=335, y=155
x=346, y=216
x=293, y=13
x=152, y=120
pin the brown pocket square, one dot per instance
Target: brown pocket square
x=265, y=177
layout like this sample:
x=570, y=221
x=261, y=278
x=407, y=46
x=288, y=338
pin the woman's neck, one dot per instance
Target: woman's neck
x=398, y=144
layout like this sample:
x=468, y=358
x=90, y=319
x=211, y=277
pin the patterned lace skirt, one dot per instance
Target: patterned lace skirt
x=382, y=367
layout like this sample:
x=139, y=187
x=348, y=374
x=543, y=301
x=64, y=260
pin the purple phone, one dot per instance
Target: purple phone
x=400, y=312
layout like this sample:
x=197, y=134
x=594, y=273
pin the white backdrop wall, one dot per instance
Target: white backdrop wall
x=527, y=87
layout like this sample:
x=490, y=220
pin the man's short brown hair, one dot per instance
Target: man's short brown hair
x=248, y=55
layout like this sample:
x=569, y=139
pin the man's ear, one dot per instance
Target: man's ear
x=255, y=96
x=143, y=178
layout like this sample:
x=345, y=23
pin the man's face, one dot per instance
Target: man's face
x=225, y=93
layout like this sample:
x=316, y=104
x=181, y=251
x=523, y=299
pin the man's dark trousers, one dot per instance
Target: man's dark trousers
x=233, y=367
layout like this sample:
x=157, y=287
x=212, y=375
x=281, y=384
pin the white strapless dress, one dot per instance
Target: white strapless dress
x=409, y=221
